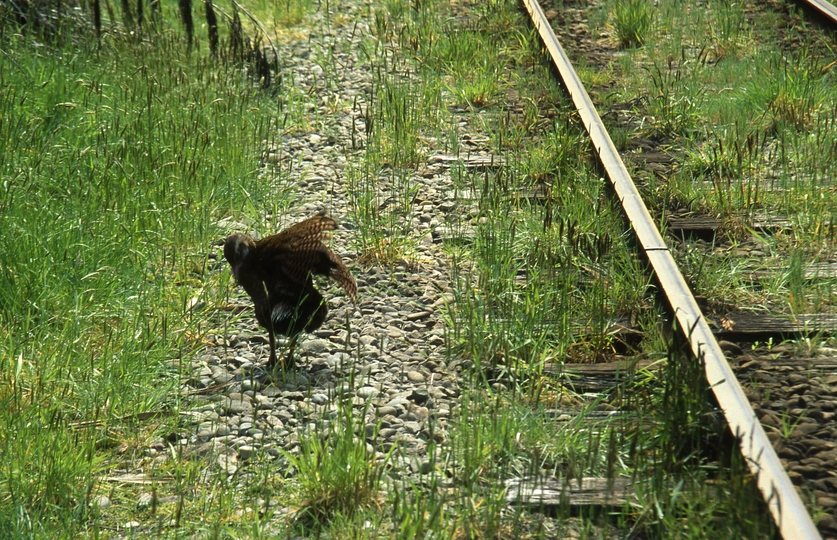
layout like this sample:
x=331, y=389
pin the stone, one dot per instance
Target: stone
x=421, y=413
x=827, y=522
x=249, y=384
x=804, y=429
x=387, y=433
x=246, y=452
x=145, y=501
x=731, y=348
x=366, y=392
x=827, y=502
x=415, y=376
x=412, y=427
x=314, y=346
x=419, y=396
x=238, y=406
x=385, y=410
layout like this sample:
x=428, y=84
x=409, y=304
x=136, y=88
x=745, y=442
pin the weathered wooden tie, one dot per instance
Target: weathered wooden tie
x=545, y=492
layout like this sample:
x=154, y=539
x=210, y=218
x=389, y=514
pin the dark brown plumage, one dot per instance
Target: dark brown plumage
x=277, y=274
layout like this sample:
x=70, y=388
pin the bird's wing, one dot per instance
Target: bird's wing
x=295, y=251
x=306, y=234
x=298, y=251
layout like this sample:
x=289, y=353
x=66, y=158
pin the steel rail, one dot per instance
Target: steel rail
x=825, y=8
x=785, y=504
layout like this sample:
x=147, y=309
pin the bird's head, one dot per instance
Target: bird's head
x=237, y=250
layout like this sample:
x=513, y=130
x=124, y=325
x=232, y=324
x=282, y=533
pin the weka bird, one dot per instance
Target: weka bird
x=277, y=274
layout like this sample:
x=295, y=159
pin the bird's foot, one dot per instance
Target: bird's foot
x=288, y=362
x=285, y=364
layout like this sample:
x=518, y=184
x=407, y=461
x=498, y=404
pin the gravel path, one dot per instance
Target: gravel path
x=388, y=352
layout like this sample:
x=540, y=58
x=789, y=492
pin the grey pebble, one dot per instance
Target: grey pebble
x=315, y=346
x=416, y=377
x=249, y=384
x=145, y=501
x=367, y=392
x=412, y=427
x=385, y=410
x=246, y=452
x=237, y=406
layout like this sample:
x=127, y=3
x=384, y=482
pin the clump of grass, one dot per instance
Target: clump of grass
x=395, y=118
x=382, y=205
x=337, y=472
x=541, y=285
x=673, y=104
x=478, y=87
x=501, y=320
x=487, y=448
x=556, y=152
x=728, y=29
x=284, y=13
x=798, y=93
x=400, y=111
x=632, y=20
x=420, y=513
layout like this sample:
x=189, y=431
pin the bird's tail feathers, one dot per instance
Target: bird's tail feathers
x=342, y=276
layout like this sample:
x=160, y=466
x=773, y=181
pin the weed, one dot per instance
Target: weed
x=479, y=86
x=797, y=94
x=384, y=223
x=728, y=29
x=337, y=472
x=632, y=20
x=674, y=105
x=788, y=425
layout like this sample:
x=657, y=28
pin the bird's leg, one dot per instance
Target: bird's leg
x=272, y=360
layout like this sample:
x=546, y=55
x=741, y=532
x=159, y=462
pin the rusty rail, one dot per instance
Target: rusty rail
x=788, y=511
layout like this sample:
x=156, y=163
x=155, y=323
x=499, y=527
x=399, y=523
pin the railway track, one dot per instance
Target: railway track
x=776, y=452
x=780, y=401
x=826, y=9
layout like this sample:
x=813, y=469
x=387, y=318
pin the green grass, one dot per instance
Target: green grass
x=540, y=266
x=746, y=105
x=337, y=473
x=117, y=165
x=740, y=95
x=632, y=20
